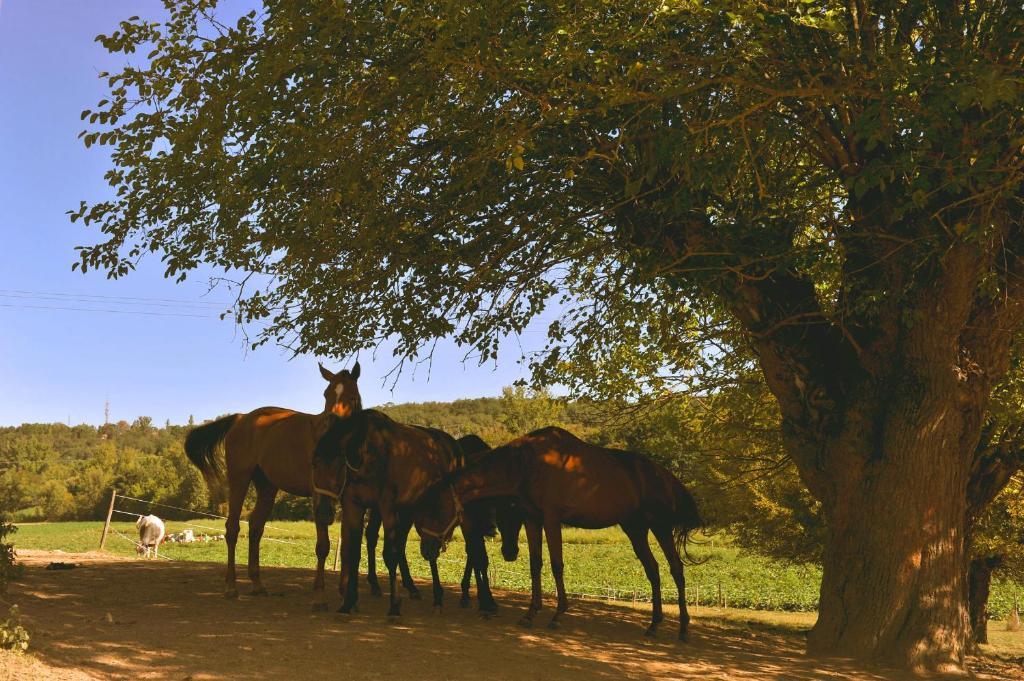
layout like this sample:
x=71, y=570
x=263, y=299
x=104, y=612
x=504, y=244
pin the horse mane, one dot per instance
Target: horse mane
x=439, y=435
x=472, y=445
x=497, y=455
x=350, y=429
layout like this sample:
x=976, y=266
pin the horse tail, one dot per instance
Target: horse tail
x=685, y=518
x=202, y=445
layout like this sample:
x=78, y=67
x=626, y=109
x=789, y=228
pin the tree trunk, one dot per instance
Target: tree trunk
x=979, y=579
x=882, y=415
x=893, y=585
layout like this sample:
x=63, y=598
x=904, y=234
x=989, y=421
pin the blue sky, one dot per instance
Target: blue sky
x=124, y=341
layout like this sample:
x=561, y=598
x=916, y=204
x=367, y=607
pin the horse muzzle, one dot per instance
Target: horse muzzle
x=510, y=553
x=430, y=548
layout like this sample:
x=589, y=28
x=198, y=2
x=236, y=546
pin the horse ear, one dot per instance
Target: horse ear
x=328, y=376
x=355, y=372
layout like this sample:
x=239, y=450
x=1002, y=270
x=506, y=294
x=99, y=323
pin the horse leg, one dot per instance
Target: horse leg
x=402, y=537
x=668, y=545
x=403, y=563
x=467, y=575
x=391, y=546
x=236, y=496
x=351, y=540
x=372, y=535
x=265, y=495
x=553, y=533
x=323, y=548
x=533, y=539
x=435, y=578
x=476, y=557
x=638, y=537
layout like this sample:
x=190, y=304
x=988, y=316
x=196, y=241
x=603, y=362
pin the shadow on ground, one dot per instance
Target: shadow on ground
x=116, y=618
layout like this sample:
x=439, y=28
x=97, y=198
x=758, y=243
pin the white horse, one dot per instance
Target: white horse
x=151, y=533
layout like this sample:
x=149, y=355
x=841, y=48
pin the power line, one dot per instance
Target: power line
x=128, y=312
x=106, y=297
x=78, y=299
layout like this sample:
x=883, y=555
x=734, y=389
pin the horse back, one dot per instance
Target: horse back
x=278, y=441
x=590, y=485
x=414, y=458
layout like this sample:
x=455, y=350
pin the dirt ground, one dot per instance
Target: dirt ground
x=114, y=618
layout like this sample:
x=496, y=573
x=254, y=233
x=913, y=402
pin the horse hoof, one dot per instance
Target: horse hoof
x=553, y=624
x=319, y=607
x=464, y=603
x=684, y=637
x=414, y=595
x=652, y=632
x=231, y=594
x=526, y=622
x=437, y=609
x=375, y=591
x=261, y=591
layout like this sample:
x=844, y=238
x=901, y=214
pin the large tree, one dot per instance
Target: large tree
x=834, y=186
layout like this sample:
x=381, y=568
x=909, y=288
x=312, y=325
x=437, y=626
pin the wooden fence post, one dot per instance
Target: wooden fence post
x=337, y=550
x=106, y=524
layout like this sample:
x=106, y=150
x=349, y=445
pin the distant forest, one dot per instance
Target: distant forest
x=57, y=472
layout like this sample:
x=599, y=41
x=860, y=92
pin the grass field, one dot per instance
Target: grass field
x=599, y=563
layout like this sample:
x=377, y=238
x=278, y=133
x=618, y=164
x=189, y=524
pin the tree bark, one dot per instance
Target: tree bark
x=979, y=579
x=893, y=580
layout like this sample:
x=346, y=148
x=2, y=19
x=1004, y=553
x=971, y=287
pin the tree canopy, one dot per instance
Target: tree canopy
x=368, y=159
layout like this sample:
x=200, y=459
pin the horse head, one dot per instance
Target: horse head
x=341, y=397
x=436, y=516
x=510, y=521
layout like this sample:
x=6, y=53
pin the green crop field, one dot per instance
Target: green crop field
x=598, y=563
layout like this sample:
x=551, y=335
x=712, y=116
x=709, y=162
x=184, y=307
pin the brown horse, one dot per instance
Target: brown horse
x=271, y=448
x=554, y=478
x=368, y=461
x=478, y=517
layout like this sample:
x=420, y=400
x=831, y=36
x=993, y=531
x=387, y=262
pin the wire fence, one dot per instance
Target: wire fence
x=195, y=512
